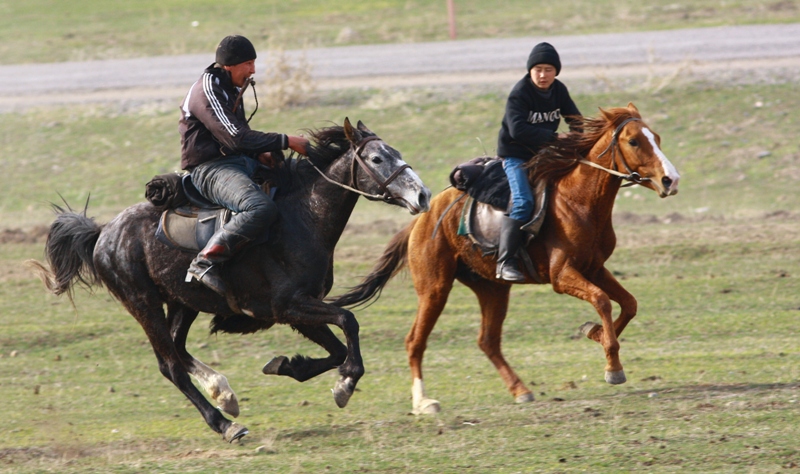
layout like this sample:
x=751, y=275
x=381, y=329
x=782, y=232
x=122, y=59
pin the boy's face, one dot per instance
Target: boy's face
x=543, y=76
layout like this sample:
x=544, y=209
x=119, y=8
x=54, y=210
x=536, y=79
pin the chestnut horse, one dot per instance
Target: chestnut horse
x=570, y=252
x=281, y=281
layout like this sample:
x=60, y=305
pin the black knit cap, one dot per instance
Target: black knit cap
x=235, y=49
x=544, y=53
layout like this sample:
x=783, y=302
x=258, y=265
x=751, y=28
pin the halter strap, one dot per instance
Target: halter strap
x=359, y=160
x=632, y=176
x=382, y=185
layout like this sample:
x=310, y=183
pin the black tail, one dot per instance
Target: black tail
x=392, y=261
x=69, y=251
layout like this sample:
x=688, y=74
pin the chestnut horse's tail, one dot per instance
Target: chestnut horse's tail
x=69, y=250
x=389, y=264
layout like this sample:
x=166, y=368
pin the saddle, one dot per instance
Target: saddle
x=488, y=198
x=485, y=181
x=188, y=219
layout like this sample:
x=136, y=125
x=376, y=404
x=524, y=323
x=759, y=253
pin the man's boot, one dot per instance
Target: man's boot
x=510, y=242
x=205, y=268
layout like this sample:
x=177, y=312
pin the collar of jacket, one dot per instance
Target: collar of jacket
x=223, y=75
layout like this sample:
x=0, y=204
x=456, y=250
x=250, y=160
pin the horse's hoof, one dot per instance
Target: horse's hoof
x=615, y=377
x=342, y=391
x=277, y=366
x=229, y=405
x=524, y=398
x=234, y=432
x=589, y=328
x=427, y=406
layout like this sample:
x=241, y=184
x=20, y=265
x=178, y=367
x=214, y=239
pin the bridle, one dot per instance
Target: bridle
x=632, y=177
x=383, y=185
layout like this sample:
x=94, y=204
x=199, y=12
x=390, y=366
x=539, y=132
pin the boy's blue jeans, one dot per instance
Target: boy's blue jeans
x=521, y=194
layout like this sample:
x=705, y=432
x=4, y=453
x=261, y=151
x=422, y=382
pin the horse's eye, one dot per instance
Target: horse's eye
x=377, y=160
x=633, y=142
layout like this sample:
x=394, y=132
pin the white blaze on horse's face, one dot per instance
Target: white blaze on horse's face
x=668, y=185
x=407, y=188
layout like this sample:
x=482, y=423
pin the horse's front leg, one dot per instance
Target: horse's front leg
x=303, y=368
x=180, y=319
x=572, y=282
x=307, y=311
x=627, y=303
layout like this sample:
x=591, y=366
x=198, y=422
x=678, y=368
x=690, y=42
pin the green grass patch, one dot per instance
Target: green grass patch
x=711, y=358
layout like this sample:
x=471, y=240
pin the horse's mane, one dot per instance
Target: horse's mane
x=327, y=144
x=561, y=156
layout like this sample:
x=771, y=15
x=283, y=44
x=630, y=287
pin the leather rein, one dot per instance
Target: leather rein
x=359, y=160
x=632, y=177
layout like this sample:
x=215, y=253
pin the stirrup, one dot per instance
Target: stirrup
x=509, y=274
x=209, y=278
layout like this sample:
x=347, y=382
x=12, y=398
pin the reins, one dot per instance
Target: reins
x=632, y=176
x=238, y=101
x=359, y=160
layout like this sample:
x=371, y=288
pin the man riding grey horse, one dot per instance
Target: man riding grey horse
x=223, y=153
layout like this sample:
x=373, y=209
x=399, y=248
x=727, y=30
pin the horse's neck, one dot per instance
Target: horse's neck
x=328, y=207
x=590, y=192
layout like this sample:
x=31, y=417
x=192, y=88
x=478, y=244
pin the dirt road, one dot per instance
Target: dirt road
x=744, y=54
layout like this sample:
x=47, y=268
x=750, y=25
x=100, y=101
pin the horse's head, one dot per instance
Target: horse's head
x=636, y=149
x=380, y=173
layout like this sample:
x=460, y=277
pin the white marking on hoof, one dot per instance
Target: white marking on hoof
x=216, y=385
x=422, y=405
x=589, y=327
x=342, y=391
x=427, y=406
x=228, y=403
x=615, y=378
x=234, y=432
x=524, y=398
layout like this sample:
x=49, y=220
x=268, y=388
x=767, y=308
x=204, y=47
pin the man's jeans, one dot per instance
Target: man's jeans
x=521, y=195
x=227, y=182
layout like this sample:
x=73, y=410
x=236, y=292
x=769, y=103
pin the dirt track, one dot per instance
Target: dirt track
x=737, y=54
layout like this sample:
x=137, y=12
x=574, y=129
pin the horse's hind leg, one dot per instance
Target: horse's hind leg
x=150, y=315
x=180, y=319
x=493, y=298
x=432, y=292
x=303, y=368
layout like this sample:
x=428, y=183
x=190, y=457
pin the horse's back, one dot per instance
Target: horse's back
x=127, y=247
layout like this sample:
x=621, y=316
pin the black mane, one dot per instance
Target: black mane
x=327, y=144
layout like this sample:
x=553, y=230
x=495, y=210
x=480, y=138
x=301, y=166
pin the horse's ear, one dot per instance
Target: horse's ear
x=364, y=128
x=606, y=114
x=633, y=108
x=351, y=133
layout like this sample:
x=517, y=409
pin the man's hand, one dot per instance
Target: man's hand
x=266, y=159
x=298, y=144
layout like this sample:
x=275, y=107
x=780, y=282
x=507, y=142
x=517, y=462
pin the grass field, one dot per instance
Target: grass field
x=712, y=358
x=102, y=29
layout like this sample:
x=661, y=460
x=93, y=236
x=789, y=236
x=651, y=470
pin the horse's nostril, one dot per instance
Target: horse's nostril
x=667, y=182
x=423, y=200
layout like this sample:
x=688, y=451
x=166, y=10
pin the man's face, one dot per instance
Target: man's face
x=241, y=71
x=543, y=76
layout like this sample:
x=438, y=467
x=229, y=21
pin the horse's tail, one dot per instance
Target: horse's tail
x=389, y=264
x=69, y=250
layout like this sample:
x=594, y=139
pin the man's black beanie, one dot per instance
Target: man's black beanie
x=234, y=49
x=544, y=53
